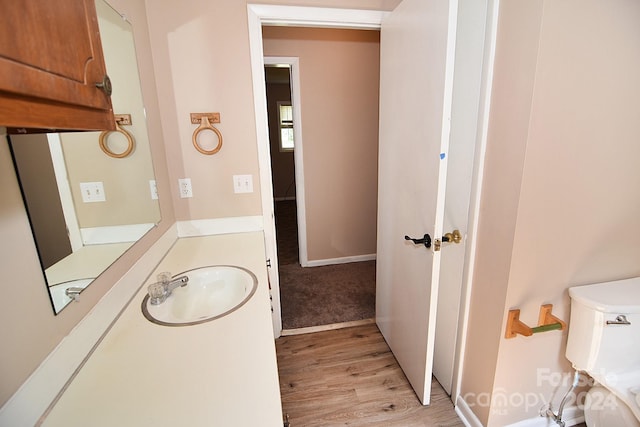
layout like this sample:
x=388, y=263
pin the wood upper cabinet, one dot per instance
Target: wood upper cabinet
x=50, y=61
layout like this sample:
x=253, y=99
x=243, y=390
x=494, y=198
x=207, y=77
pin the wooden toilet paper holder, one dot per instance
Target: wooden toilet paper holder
x=546, y=322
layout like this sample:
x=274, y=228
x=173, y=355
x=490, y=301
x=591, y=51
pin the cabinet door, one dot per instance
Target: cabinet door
x=50, y=61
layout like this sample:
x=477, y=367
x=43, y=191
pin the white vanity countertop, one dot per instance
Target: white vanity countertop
x=219, y=373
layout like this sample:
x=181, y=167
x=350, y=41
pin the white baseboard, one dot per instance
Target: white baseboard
x=42, y=388
x=571, y=417
x=534, y=422
x=466, y=414
x=342, y=260
x=207, y=227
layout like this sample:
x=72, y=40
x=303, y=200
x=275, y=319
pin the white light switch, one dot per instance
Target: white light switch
x=92, y=192
x=243, y=183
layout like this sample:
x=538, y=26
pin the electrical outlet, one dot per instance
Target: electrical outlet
x=92, y=192
x=243, y=183
x=185, y=188
x=153, y=189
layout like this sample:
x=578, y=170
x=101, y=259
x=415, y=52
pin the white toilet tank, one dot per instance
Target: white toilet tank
x=604, y=341
x=604, y=329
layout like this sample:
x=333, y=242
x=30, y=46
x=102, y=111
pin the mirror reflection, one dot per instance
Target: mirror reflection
x=86, y=207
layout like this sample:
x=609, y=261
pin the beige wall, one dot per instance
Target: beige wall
x=201, y=52
x=509, y=121
x=126, y=180
x=30, y=328
x=559, y=205
x=200, y=62
x=339, y=79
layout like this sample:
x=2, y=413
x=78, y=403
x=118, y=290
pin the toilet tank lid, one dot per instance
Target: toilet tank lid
x=619, y=296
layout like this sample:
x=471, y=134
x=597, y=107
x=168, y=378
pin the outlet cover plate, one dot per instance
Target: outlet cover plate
x=184, y=184
x=153, y=188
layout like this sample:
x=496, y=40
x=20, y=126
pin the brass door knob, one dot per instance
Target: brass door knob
x=454, y=237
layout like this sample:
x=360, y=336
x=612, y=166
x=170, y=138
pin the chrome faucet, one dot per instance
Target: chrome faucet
x=161, y=290
x=73, y=292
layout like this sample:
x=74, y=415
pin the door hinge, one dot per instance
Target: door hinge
x=269, y=262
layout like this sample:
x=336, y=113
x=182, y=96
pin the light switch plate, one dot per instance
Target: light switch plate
x=243, y=183
x=92, y=192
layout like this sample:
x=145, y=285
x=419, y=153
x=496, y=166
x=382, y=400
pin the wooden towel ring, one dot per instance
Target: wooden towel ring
x=206, y=125
x=107, y=150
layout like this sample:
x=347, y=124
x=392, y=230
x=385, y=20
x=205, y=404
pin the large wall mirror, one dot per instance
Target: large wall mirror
x=87, y=207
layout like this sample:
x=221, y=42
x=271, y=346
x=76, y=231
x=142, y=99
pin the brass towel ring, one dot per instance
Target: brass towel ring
x=206, y=125
x=105, y=134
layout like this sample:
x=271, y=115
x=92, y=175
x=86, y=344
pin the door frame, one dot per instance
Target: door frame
x=259, y=14
x=263, y=14
x=296, y=102
x=64, y=190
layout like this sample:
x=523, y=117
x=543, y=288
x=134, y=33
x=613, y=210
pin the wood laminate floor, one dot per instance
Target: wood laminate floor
x=349, y=377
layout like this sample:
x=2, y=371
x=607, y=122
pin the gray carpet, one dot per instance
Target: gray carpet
x=315, y=296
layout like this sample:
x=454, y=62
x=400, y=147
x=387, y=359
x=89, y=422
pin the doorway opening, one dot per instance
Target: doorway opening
x=259, y=15
x=325, y=200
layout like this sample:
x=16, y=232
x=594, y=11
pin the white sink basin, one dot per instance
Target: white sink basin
x=212, y=292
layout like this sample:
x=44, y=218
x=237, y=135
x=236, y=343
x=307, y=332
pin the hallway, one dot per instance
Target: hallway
x=315, y=296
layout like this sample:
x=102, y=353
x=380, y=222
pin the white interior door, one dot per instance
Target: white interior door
x=416, y=77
